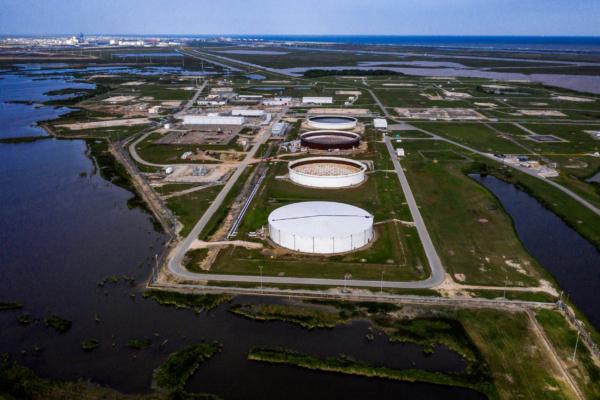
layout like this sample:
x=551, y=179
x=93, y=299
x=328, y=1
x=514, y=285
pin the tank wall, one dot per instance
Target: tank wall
x=328, y=125
x=320, y=245
x=327, y=181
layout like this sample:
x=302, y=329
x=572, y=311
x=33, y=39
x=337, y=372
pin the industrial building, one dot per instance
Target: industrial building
x=330, y=140
x=321, y=227
x=332, y=122
x=317, y=100
x=277, y=101
x=327, y=172
x=279, y=128
x=212, y=120
x=380, y=123
x=247, y=113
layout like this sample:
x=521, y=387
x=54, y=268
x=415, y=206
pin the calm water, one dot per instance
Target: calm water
x=64, y=229
x=18, y=119
x=574, y=262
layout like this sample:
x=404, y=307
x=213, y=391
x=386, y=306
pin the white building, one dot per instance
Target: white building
x=277, y=101
x=250, y=96
x=320, y=227
x=317, y=100
x=279, y=129
x=247, y=113
x=400, y=152
x=212, y=120
x=380, y=123
x=154, y=110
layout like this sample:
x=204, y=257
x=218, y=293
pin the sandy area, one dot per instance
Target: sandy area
x=542, y=113
x=119, y=99
x=133, y=83
x=105, y=124
x=184, y=173
x=445, y=114
x=574, y=99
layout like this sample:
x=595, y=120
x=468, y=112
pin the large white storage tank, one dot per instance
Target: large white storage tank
x=327, y=172
x=321, y=227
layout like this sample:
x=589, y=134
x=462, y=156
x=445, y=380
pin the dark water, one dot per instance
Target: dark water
x=19, y=87
x=64, y=229
x=18, y=119
x=36, y=69
x=574, y=262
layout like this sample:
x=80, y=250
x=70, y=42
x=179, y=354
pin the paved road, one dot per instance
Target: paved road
x=177, y=255
x=437, y=269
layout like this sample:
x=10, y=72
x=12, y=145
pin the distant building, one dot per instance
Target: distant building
x=250, y=96
x=279, y=129
x=380, y=123
x=317, y=100
x=400, y=152
x=277, y=101
x=154, y=110
x=247, y=113
x=212, y=120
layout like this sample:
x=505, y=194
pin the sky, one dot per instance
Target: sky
x=319, y=17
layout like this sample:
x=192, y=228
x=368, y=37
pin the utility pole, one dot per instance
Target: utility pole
x=260, y=267
x=575, y=349
x=346, y=277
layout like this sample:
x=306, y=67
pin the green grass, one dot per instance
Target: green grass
x=218, y=217
x=164, y=92
x=57, y=323
x=89, y=345
x=472, y=134
x=139, y=344
x=306, y=317
x=518, y=363
x=563, y=338
x=350, y=366
x=190, y=207
x=181, y=365
x=7, y=305
x=193, y=258
x=197, y=302
x=451, y=202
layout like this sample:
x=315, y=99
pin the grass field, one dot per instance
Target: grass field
x=487, y=249
x=563, y=338
x=397, y=251
x=190, y=207
x=518, y=364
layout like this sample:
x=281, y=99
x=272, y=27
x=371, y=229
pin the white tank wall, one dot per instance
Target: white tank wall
x=332, y=182
x=327, y=181
x=351, y=124
x=320, y=245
